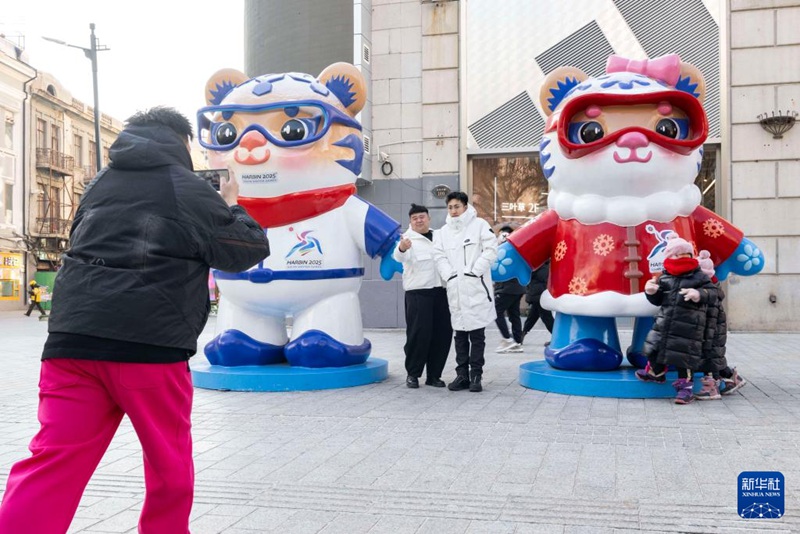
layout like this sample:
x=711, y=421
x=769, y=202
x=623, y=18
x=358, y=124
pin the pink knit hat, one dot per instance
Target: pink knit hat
x=677, y=245
x=706, y=264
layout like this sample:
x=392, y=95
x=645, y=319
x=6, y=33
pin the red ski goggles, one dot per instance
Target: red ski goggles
x=680, y=135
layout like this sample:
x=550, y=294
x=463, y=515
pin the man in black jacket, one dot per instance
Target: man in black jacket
x=128, y=305
x=507, y=296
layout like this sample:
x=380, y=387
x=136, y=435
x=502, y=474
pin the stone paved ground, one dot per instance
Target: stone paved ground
x=386, y=459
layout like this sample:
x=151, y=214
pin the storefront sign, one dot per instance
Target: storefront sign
x=11, y=264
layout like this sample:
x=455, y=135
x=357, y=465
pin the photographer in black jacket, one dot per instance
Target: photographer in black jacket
x=127, y=308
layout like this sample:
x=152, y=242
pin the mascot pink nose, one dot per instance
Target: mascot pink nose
x=632, y=140
x=252, y=139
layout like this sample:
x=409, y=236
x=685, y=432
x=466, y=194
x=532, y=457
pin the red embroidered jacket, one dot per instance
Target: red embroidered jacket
x=592, y=258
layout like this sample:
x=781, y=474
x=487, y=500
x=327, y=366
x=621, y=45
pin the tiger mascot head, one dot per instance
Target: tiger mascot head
x=285, y=133
x=626, y=146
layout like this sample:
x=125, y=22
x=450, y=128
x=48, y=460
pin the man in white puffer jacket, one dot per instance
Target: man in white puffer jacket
x=428, y=331
x=465, y=249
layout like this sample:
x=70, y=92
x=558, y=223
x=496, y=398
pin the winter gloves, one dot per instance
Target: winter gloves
x=690, y=294
x=651, y=287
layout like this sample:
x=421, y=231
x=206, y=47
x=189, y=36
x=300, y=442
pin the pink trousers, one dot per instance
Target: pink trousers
x=81, y=404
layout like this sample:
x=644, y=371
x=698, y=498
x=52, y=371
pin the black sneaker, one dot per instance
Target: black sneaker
x=412, y=382
x=475, y=384
x=436, y=382
x=461, y=382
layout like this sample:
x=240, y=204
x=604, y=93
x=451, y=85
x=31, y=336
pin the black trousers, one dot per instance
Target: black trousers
x=428, y=332
x=469, y=351
x=536, y=312
x=503, y=304
x=35, y=305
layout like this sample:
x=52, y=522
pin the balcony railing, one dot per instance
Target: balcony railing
x=53, y=226
x=47, y=158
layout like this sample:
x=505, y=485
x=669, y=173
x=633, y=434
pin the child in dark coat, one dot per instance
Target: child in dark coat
x=683, y=293
x=719, y=378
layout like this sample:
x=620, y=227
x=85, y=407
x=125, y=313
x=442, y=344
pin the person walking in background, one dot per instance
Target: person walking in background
x=682, y=293
x=719, y=379
x=533, y=296
x=128, y=305
x=465, y=249
x=35, y=296
x=507, y=296
x=428, y=330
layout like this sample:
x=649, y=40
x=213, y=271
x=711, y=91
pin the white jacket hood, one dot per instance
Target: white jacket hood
x=463, y=220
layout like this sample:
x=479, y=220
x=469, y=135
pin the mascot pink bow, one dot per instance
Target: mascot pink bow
x=665, y=68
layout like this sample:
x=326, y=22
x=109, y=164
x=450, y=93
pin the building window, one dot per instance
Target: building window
x=706, y=179
x=7, y=162
x=7, y=139
x=77, y=149
x=55, y=203
x=93, y=155
x=44, y=206
x=41, y=130
x=55, y=138
x=508, y=189
x=8, y=203
x=50, y=210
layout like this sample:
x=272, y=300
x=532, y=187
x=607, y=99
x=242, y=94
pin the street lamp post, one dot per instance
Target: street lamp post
x=91, y=53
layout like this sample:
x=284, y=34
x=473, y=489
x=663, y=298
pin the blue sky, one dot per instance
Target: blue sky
x=161, y=52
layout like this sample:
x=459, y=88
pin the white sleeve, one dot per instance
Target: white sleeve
x=442, y=263
x=488, y=253
x=399, y=256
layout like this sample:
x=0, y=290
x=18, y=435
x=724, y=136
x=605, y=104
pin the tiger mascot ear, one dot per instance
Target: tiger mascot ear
x=556, y=86
x=347, y=83
x=221, y=83
x=691, y=81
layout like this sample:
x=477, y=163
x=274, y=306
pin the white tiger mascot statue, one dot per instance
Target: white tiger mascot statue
x=293, y=142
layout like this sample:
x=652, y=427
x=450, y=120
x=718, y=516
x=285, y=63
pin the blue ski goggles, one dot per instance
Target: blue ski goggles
x=284, y=124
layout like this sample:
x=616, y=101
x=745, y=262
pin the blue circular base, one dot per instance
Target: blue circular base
x=620, y=383
x=283, y=377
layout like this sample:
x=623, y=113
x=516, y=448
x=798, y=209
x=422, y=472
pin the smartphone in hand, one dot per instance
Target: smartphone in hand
x=213, y=176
